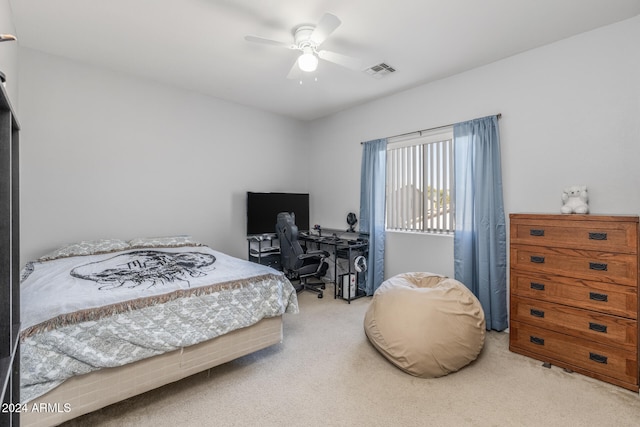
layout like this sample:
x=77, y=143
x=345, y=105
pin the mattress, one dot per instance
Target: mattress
x=90, y=392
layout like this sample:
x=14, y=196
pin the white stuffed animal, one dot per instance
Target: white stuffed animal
x=575, y=200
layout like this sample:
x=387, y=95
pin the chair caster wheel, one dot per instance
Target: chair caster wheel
x=323, y=287
x=319, y=295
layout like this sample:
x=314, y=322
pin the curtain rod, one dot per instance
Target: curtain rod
x=427, y=130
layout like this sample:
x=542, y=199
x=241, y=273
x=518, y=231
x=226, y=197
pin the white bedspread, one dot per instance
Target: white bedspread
x=85, y=313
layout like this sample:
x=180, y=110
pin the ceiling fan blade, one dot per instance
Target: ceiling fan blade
x=342, y=60
x=327, y=25
x=7, y=37
x=262, y=40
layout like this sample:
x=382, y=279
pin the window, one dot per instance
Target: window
x=420, y=182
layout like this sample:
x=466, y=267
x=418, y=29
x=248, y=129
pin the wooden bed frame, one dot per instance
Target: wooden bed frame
x=87, y=393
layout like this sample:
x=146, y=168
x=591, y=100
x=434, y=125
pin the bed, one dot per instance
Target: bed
x=106, y=320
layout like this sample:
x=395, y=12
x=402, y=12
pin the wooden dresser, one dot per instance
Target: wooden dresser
x=574, y=293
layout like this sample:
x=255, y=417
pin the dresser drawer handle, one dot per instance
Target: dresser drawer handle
x=536, y=232
x=598, y=266
x=537, y=259
x=598, y=358
x=536, y=340
x=536, y=313
x=597, y=327
x=598, y=297
x=597, y=236
x=537, y=286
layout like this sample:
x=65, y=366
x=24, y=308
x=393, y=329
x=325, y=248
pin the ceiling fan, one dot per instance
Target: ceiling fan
x=307, y=39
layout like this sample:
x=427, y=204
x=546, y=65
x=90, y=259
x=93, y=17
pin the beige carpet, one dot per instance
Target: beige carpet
x=327, y=374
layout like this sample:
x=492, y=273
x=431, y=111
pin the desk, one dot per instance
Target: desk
x=263, y=250
x=344, y=245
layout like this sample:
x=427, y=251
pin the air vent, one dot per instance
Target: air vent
x=380, y=70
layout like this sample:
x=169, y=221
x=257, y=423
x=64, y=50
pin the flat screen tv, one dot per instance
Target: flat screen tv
x=263, y=209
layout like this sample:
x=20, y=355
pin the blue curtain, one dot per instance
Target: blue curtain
x=372, y=208
x=480, y=248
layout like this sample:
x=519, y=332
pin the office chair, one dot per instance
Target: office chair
x=296, y=263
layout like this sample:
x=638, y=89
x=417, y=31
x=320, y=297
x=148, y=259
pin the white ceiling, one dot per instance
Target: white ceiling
x=199, y=44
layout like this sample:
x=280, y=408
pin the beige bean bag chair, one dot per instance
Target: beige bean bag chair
x=425, y=324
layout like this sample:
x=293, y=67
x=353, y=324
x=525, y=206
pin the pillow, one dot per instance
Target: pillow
x=86, y=248
x=168, y=241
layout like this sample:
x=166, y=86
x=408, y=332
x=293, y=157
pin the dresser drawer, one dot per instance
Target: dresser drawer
x=578, y=353
x=566, y=231
x=599, y=296
x=604, y=328
x=590, y=265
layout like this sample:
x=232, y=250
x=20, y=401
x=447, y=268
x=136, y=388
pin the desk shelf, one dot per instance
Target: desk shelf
x=264, y=249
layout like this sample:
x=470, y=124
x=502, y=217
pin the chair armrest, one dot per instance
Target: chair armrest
x=319, y=252
x=314, y=254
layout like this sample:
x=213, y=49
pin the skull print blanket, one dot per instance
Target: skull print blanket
x=84, y=313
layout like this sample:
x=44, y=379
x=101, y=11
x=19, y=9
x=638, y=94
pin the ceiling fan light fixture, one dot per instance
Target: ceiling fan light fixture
x=307, y=40
x=308, y=61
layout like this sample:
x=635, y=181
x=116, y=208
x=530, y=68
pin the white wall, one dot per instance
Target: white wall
x=110, y=155
x=570, y=115
x=9, y=53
